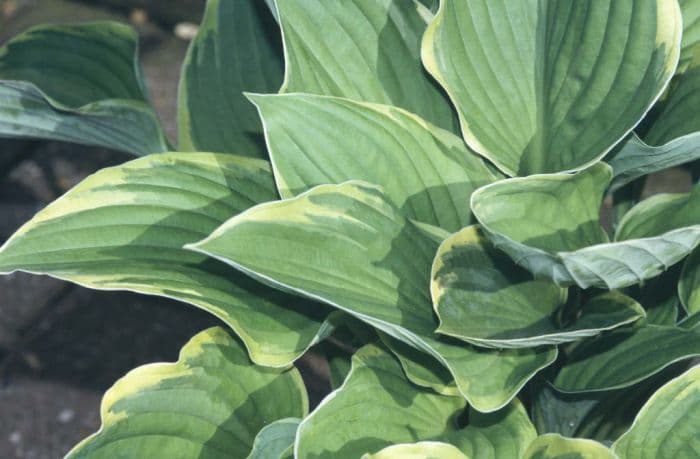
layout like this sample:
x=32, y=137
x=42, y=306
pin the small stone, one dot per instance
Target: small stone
x=32, y=360
x=66, y=416
x=138, y=16
x=30, y=175
x=186, y=31
x=15, y=438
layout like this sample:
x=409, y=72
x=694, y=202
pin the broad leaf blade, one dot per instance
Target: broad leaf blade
x=275, y=439
x=505, y=433
x=124, y=228
x=690, y=321
x=366, y=50
x=690, y=10
x=678, y=115
x=347, y=246
x=636, y=159
x=625, y=357
x=661, y=213
x=666, y=427
x=420, y=450
x=94, y=92
x=211, y=402
x=551, y=86
x=554, y=446
x=670, y=132
x=315, y=140
x=482, y=297
x=533, y=219
x=238, y=48
x=600, y=416
x=549, y=224
x=659, y=297
x=377, y=390
x=273, y=9
x=689, y=284
x=420, y=368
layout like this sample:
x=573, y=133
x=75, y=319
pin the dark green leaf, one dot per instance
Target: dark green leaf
x=365, y=50
x=238, y=48
x=78, y=83
x=625, y=357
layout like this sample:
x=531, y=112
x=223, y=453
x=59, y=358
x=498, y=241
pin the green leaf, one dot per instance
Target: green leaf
x=666, y=426
x=549, y=224
x=377, y=390
x=482, y=297
x=670, y=132
x=347, y=246
x=339, y=367
x=637, y=159
x=625, y=357
x=210, y=403
x=124, y=228
x=275, y=439
x=420, y=368
x=663, y=313
x=503, y=434
x=554, y=446
x=600, y=416
x=551, y=86
x=432, y=5
x=661, y=213
x=689, y=284
x=273, y=9
x=690, y=321
x=366, y=50
x=562, y=414
x=690, y=10
x=238, y=48
x=659, y=297
x=678, y=114
x=78, y=83
x=438, y=172
x=420, y=450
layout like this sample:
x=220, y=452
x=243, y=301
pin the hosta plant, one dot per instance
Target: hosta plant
x=412, y=188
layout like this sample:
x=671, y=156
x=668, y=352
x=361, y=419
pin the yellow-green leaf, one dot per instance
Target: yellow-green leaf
x=666, y=427
x=543, y=87
x=365, y=50
x=438, y=173
x=348, y=246
x=210, y=403
x=238, y=48
x=124, y=228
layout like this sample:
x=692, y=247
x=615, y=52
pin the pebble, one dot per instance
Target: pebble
x=15, y=438
x=66, y=416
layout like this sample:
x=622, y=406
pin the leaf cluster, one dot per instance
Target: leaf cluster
x=412, y=188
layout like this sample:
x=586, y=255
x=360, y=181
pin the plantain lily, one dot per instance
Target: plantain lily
x=412, y=188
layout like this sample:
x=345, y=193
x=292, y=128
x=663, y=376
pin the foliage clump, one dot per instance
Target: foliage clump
x=414, y=188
